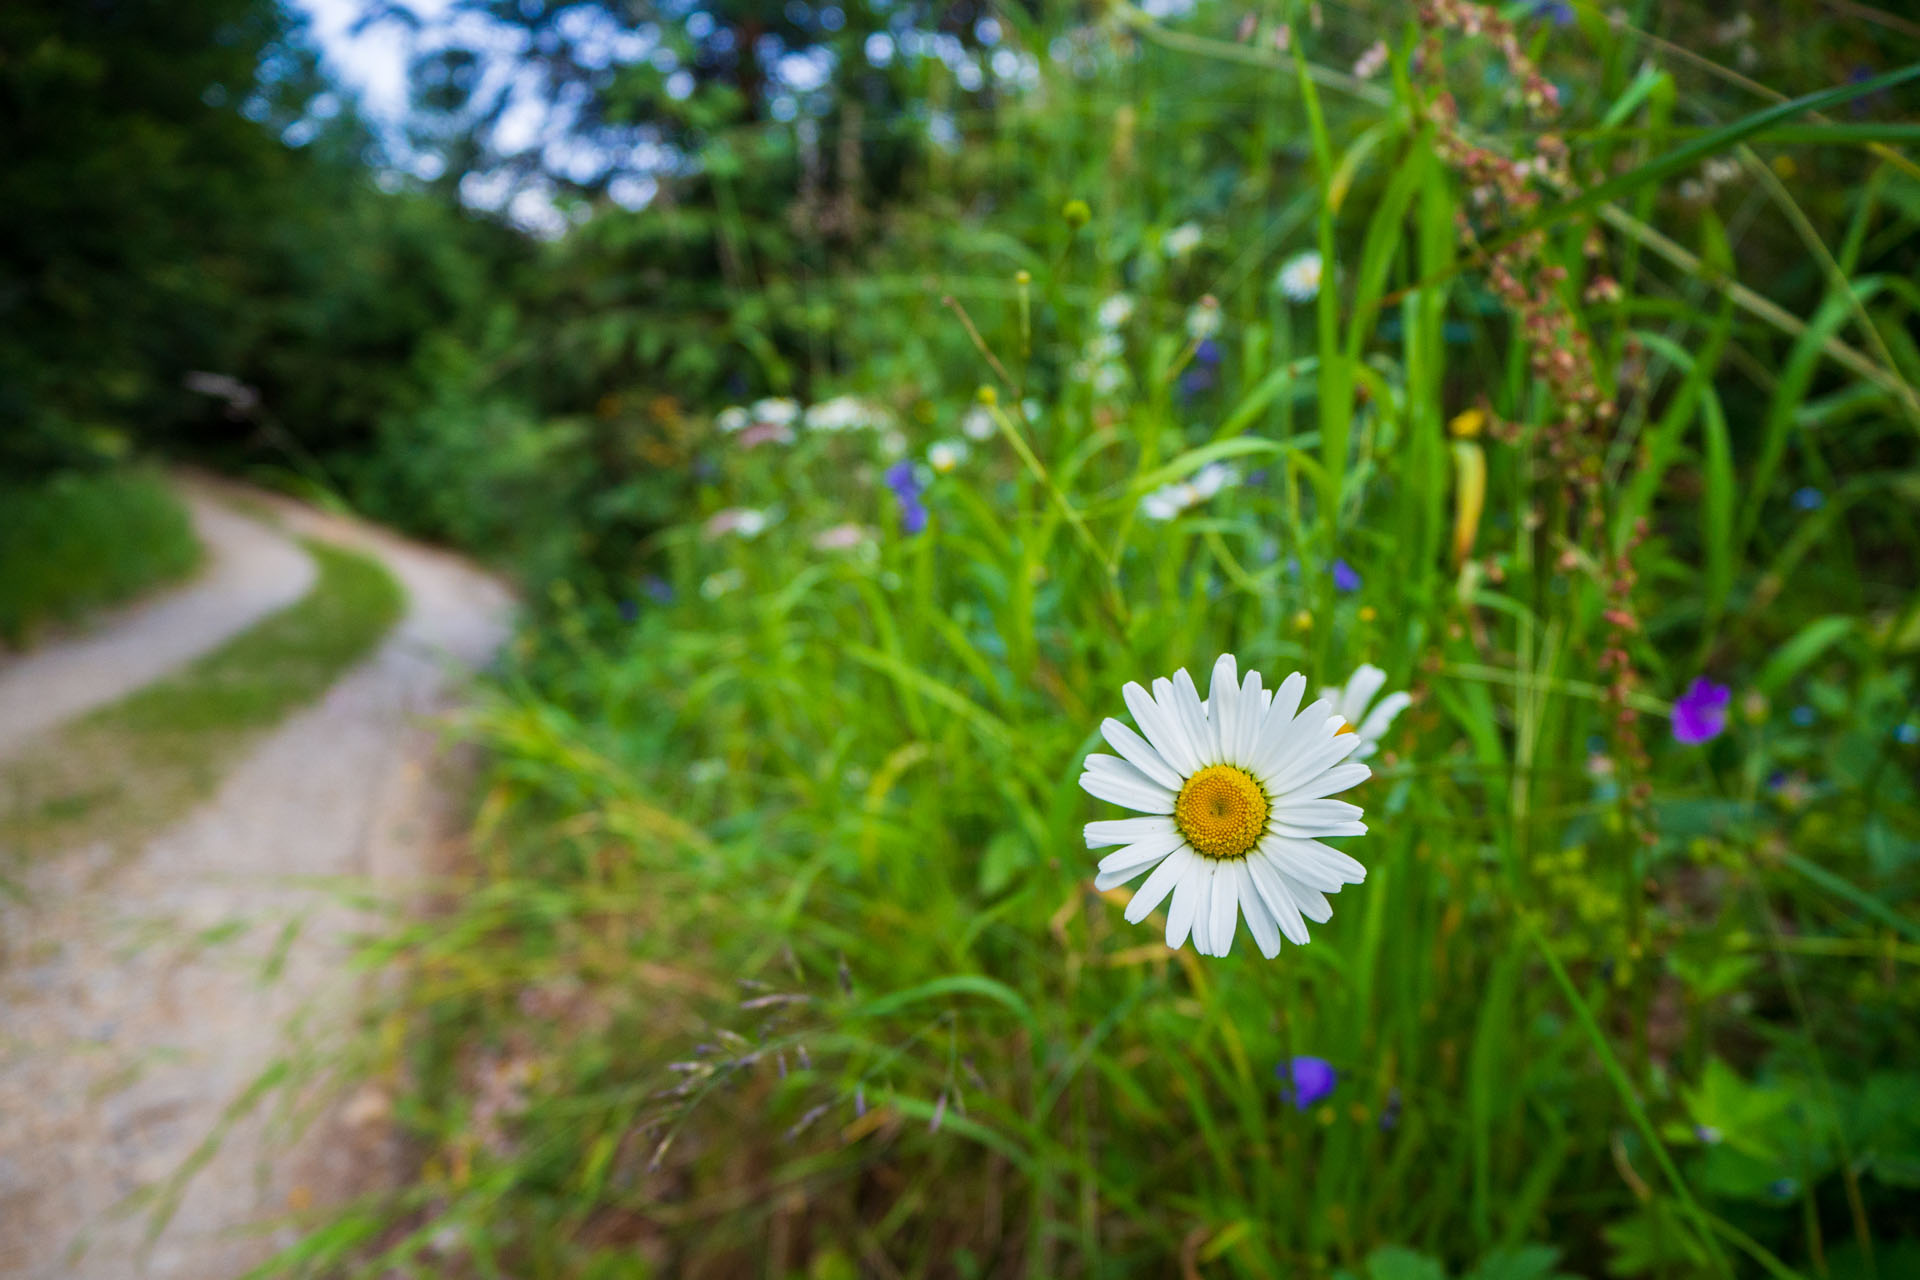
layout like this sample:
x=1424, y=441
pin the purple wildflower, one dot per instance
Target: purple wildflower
x=1344, y=577
x=657, y=588
x=1700, y=714
x=1558, y=11
x=1312, y=1079
x=629, y=610
x=907, y=490
x=1207, y=352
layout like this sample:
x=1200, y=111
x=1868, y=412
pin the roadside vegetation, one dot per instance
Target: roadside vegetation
x=80, y=541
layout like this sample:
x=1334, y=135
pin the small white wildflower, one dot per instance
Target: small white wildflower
x=1167, y=502
x=1105, y=346
x=1370, y=63
x=1115, y=311
x=977, y=423
x=842, y=413
x=780, y=411
x=1299, y=276
x=944, y=455
x=744, y=522
x=1237, y=797
x=1109, y=379
x=1203, y=321
x=1182, y=240
x=731, y=419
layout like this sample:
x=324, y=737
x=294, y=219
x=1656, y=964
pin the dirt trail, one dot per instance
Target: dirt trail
x=135, y=1001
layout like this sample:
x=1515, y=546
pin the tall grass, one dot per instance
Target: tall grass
x=781, y=955
x=83, y=540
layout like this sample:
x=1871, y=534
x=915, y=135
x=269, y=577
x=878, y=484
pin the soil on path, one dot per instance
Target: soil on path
x=139, y=997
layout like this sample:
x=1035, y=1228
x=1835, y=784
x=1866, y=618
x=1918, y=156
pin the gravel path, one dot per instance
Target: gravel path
x=251, y=570
x=139, y=997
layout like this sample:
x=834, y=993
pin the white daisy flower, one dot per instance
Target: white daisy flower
x=1237, y=793
x=1106, y=346
x=1352, y=702
x=1182, y=240
x=732, y=419
x=1114, y=312
x=1299, y=276
x=1168, y=502
x=1109, y=379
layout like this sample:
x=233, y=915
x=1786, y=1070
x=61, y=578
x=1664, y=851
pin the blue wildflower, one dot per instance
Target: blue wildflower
x=1344, y=577
x=1801, y=715
x=1809, y=498
x=657, y=589
x=1310, y=1080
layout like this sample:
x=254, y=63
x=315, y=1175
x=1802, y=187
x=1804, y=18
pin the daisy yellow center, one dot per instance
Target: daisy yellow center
x=1221, y=811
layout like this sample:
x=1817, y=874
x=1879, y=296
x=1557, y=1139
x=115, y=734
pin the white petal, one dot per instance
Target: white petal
x=1380, y=719
x=1187, y=898
x=1203, y=907
x=1316, y=830
x=1139, y=753
x=1283, y=743
x=1253, y=710
x=1318, y=750
x=1273, y=892
x=1119, y=867
x=1313, y=863
x=1223, y=709
x=1271, y=732
x=1301, y=813
x=1330, y=782
x=1360, y=690
x=1158, y=885
x=1163, y=730
x=1226, y=908
x=1286, y=699
x=1114, y=779
x=1313, y=904
x=1125, y=830
x=1185, y=702
x=1266, y=935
